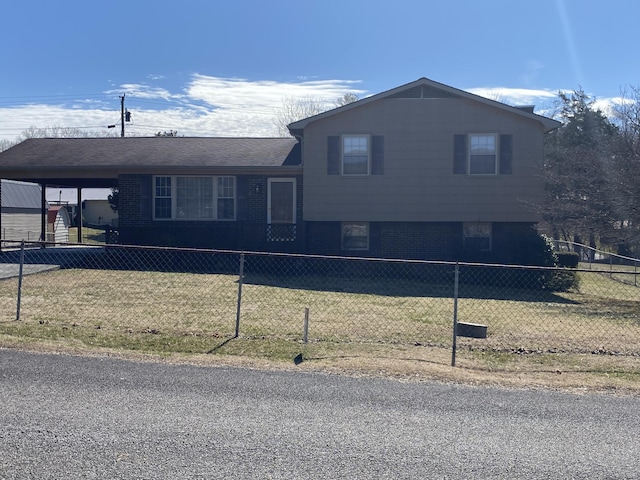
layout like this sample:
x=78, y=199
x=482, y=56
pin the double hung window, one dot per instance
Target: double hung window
x=355, y=155
x=194, y=198
x=482, y=154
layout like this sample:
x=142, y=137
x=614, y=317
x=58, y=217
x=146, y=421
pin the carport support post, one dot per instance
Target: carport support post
x=79, y=215
x=241, y=276
x=43, y=213
x=455, y=315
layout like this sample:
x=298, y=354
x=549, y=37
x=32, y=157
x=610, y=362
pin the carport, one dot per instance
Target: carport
x=62, y=163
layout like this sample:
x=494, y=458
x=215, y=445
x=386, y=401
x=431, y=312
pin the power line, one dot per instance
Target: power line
x=53, y=95
x=54, y=126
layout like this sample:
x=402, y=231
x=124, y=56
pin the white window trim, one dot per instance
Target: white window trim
x=342, y=236
x=489, y=224
x=293, y=182
x=174, y=199
x=355, y=135
x=496, y=139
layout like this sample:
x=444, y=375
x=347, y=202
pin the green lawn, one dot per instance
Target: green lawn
x=89, y=235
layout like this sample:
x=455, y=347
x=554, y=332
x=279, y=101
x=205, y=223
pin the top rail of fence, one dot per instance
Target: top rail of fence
x=8, y=246
x=592, y=254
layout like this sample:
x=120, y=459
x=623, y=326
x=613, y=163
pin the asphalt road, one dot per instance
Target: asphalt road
x=72, y=417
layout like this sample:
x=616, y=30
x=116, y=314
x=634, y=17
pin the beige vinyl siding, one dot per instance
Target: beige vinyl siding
x=98, y=212
x=17, y=226
x=418, y=182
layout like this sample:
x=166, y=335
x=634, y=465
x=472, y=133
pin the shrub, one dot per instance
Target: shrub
x=562, y=280
x=567, y=259
x=537, y=250
x=531, y=249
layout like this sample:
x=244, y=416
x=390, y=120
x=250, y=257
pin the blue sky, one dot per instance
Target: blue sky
x=223, y=68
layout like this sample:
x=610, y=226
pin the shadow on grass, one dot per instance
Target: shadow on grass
x=354, y=276
x=402, y=287
x=222, y=345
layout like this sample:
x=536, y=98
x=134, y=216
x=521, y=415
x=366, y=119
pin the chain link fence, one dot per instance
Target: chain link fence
x=183, y=300
x=596, y=259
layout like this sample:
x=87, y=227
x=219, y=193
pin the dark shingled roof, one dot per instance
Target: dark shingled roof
x=145, y=152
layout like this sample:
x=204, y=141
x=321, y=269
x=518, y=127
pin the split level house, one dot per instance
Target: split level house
x=422, y=171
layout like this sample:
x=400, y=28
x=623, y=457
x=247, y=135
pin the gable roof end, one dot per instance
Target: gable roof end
x=425, y=88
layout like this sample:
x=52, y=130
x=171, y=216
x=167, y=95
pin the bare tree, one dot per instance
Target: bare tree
x=627, y=166
x=346, y=99
x=294, y=109
x=54, y=131
x=51, y=132
x=6, y=144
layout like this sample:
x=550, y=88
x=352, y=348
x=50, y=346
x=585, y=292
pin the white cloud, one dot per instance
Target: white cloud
x=207, y=106
x=142, y=91
x=515, y=96
x=15, y=120
x=543, y=100
x=240, y=93
x=608, y=105
x=216, y=106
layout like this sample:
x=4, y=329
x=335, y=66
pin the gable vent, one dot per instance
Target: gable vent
x=422, y=91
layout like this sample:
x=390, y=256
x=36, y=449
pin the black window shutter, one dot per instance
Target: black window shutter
x=506, y=154
x=460, y=153
x=333, y=155
x=146, y=197
x=377, y=155
x=242, y=204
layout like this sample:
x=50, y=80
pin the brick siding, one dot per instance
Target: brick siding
x=415, y=240
x=248, y=232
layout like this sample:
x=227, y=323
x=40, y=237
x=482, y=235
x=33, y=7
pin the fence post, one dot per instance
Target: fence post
x=455, y=315
x=20, y=280
x=240, y=280
x=610, y=266
x=305, y=326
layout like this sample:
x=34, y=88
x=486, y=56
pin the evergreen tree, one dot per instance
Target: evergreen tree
x=580, y=195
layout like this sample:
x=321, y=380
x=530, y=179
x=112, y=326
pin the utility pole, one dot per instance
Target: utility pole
x=125, y=116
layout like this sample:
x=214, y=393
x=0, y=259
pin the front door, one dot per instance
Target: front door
x=281, y=209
